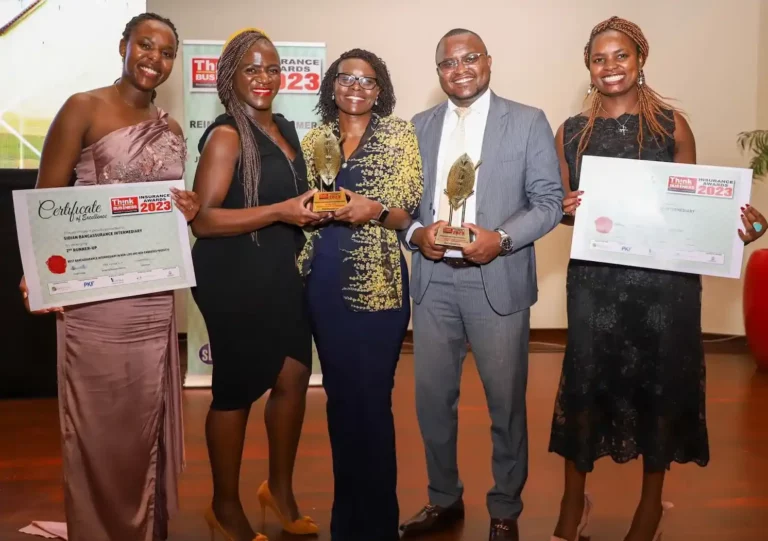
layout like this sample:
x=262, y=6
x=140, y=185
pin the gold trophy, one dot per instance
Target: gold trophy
x=327, y=153
x=460, y=186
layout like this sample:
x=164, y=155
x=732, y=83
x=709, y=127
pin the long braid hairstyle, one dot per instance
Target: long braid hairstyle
x=652, y=105
x=249, y=162
x=137, y=20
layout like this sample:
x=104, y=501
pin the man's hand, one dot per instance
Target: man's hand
x=424, y=238
x=485, y=248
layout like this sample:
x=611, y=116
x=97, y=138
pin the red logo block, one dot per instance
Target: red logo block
x=124, y=205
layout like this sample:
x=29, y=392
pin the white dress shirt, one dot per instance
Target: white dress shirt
x=474, y=125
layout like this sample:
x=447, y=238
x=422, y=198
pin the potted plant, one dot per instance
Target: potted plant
x=755, y=300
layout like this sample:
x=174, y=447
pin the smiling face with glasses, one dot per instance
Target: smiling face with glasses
x=355, y=87
x=464, y=67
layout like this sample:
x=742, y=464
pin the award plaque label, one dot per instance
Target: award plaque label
x=454, y=237
x=329, y=201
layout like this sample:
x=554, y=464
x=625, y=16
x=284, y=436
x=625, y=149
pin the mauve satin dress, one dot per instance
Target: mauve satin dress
x=119, y=375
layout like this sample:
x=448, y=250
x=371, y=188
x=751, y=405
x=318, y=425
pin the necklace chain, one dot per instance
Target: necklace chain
x=622, y=127
x=127, y=102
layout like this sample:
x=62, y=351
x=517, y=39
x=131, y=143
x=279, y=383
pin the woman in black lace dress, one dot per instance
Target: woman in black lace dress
x=633, y=378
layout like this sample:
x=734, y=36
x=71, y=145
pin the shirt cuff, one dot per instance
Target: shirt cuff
x=414, y=226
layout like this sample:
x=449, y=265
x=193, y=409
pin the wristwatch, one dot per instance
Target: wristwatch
x=505, y=243
x=383, y=215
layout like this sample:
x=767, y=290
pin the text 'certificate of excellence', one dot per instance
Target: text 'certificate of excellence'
x=661, y=215
x=92, y=243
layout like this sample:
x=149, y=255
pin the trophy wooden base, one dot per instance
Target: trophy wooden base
x=328, y=201
x=453, y=237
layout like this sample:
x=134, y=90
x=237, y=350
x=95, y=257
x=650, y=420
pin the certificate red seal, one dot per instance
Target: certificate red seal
x=603, y=225
x=57, y=264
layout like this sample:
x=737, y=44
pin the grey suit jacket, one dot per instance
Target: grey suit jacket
x=518, y=190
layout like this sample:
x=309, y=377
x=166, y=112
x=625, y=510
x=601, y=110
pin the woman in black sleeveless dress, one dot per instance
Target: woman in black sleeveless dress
x=253, y=190
x=633, y=377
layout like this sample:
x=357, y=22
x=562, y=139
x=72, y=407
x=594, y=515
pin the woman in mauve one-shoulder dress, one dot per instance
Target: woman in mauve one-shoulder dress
x=118, y=360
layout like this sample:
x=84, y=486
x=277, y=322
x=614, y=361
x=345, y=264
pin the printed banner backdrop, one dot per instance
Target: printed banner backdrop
x=303, y=66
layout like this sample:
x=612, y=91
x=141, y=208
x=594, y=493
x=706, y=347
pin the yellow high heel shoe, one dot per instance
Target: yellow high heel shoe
x=214, y=526
x=302, y=526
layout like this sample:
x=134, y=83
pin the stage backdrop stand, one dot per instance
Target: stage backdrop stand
x=302, y=71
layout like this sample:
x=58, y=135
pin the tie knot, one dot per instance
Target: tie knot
x=462, y=111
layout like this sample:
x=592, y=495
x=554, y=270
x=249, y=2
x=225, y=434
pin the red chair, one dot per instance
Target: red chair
x=756, y=307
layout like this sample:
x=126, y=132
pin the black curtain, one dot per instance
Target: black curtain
x=27, y=342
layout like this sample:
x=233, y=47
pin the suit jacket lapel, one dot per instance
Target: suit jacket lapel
x=494, y=129
x=432, y=135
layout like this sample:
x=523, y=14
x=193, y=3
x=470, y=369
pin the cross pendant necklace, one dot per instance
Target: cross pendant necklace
x=622, y=127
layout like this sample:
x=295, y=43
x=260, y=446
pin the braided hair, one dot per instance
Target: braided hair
x=652, y=105
x=326, y=105
x=137, y=20
x=249, y=161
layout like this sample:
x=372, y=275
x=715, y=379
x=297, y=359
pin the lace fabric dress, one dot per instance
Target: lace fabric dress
x=633, y=376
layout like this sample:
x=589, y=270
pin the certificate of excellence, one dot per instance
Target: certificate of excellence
x=661, y=215
x=93, y=243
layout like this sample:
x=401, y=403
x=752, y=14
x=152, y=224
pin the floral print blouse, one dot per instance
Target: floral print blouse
x=386, y=167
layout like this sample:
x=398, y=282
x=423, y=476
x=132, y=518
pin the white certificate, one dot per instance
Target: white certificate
x=92, y=243
x=661, y=215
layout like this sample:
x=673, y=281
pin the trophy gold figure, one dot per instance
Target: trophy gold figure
x=327, y=154
x=460, y=186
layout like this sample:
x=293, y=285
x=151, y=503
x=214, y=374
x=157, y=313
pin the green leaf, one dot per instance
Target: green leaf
x=756, y=142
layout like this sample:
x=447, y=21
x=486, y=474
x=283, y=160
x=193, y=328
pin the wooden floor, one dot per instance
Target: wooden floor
x=727, y=501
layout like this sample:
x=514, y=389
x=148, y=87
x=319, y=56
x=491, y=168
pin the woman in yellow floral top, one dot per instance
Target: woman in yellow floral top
x=357, y=288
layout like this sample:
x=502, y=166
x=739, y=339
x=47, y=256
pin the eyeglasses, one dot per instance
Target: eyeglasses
x=451, y=64
x=366, y=83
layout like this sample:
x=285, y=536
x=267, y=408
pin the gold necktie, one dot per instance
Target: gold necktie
x=456, y=146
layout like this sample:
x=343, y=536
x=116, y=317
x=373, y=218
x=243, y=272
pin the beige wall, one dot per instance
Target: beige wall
x=762, y=72
x=703, y=53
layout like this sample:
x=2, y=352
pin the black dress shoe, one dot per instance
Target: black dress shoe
x=504, y=530
x=433, y=518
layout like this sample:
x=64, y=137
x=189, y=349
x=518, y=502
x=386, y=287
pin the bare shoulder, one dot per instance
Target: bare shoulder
x=559, y=133
x=685, y=143
x=682, y=127
x=80, y=104
x=223, y=139
x=175, y=127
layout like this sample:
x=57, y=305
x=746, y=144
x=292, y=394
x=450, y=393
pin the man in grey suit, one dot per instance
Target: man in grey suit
x=484, y=291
